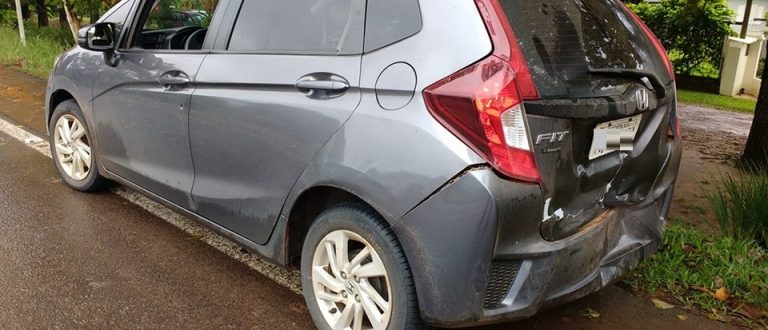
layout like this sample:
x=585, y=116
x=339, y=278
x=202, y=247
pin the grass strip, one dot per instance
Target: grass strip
x=716, y=101
x=43, y=45
x=726, y=278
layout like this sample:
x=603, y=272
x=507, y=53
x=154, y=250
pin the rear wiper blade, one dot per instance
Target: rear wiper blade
x=646, y=76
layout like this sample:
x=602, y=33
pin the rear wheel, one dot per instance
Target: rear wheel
x=354, y=273
x=71, y=148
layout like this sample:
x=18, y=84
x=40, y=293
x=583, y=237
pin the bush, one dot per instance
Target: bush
x=43, y=45
x=740, y=204
x=693, y=31
x=8, y=17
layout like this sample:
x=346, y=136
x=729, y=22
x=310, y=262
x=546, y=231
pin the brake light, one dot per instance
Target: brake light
x=654, y=40
x=483, y=104
x=506, y=46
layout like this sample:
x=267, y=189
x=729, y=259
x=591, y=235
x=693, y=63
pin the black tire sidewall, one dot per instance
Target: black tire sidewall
x=93, y=180
x=369, y=227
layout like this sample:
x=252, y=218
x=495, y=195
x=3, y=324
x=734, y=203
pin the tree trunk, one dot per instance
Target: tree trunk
x=63, y=19
x=74, y=24
x=94, y=11
x=756, y=152
x=745, y=21
x=42, y=13
x=25, y=13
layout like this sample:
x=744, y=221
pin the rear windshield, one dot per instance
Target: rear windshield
x=562, y=39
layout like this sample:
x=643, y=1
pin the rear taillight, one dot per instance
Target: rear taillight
x=483, y=103
x=654, y=40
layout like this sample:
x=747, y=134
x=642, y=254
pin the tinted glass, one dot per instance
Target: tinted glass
x=299, y=27
x=562, y=39
x=169, y=14
x=174, y=24
x=118, y=15
x=389, y=21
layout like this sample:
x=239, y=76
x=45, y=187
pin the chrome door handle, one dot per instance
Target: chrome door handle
x=174, y=80
x=326, y=85
x=322, y=85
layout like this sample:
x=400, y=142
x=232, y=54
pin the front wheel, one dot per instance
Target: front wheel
x=72, y=148
x=355, y=274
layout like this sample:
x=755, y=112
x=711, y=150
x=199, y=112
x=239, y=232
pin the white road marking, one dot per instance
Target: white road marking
x=290, y=279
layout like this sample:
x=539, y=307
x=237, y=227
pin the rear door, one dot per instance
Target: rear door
x=595, y=69
x=282, y=81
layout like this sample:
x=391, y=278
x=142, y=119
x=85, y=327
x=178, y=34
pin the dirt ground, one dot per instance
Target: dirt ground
x=713, y=141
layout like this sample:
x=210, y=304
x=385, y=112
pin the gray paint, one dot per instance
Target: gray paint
x=392, y=86
x=237, y=147
x=253, y=133
x=143, y=126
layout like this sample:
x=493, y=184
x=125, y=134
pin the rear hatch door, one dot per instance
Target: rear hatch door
x=598, y=75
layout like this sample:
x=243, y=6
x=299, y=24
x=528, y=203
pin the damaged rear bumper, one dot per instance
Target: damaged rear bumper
x=477, y=254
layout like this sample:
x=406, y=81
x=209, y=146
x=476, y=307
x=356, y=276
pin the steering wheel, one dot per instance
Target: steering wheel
x=176, y=38
x=196, y=39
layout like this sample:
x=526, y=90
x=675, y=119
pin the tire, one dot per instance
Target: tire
x=365, y=230
x=89, y=179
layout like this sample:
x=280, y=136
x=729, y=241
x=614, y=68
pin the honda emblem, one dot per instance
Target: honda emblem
x=642, y=99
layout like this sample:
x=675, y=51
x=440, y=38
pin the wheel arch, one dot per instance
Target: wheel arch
x=56, y=98
x=305, y=210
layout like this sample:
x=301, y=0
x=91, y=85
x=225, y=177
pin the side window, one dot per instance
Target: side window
x=313, y=27
x=390, y=21
x=118, y=15
x=173, y=24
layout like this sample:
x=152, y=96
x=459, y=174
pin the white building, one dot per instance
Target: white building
x=757, y=17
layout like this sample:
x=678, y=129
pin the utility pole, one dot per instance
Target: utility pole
x=20, y=19
x=745, y=22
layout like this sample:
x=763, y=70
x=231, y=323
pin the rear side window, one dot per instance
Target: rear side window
x=563, y=39
x=322, y=27
x=390, y=21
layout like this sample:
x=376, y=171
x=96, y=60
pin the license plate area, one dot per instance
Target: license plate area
x=615, y=135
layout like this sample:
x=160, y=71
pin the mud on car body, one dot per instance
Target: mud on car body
x=423, y=162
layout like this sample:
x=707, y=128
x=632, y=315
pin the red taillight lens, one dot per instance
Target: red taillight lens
x=656, y=42
x=481, y=105
x=506, y=46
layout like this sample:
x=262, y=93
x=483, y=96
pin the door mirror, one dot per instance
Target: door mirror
x=99, y=37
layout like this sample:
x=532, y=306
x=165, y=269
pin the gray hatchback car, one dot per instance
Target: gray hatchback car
x=423, y=162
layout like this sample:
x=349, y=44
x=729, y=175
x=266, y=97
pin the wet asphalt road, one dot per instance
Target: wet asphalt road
x=79, y=260
x=73, y=260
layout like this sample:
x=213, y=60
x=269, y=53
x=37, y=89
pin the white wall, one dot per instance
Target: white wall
x=738, y=7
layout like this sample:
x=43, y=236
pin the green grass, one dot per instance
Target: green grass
x=690, y=267
x=43, y=45
x=740, y=206
x=716, y=101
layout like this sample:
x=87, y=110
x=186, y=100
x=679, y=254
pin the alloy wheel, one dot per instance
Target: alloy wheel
x=72, y=147
x=351, y=293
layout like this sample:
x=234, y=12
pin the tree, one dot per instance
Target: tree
x=756, y=152
x=42, y=13
x=693, y=31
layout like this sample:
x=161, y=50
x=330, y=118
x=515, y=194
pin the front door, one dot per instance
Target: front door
x=141, y=100
x=281, y=85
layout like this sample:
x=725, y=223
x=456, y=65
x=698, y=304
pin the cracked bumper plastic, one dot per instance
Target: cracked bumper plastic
x=452, y=239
